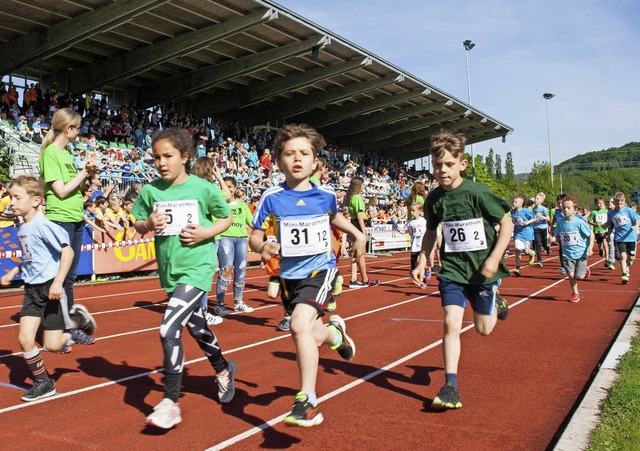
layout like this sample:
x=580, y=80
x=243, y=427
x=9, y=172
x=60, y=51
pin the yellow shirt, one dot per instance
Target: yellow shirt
x=4, y=209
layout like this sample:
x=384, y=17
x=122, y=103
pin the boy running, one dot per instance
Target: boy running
x=541, y=227
x=598, y=220
x=626, y=223
x=576, y=238
x=471, y=253
x=522, y=231
x=303, y=213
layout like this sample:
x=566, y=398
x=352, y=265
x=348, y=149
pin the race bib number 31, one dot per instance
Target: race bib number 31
x=301, y=237
x=179, y=213
x=464, y=236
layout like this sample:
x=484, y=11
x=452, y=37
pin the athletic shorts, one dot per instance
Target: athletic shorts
x=415, y=256
x=481, y=297
x=601, y=237
x=575, y=266
x=37, y=304
x=522, y=245
x=626, y=246
x=314, y=290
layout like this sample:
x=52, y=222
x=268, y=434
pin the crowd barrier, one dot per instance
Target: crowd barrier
x=126, y=251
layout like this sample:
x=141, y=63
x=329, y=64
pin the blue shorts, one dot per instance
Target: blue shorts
x=481, y=297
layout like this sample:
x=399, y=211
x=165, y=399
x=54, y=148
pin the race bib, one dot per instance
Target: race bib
x=620, y=220
x=179, y=213
x=304, y=236
x=569, y=238
x=601, y=218
x=25, y=245
x=464, y=236
x=518, y=220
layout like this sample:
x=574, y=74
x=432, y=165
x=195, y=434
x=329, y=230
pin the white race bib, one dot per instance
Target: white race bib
x=179, y=213
x=569, y=238
x=25, y=245
x=620, y=220
x=517, y=220
x=601, y=218
x=464, y=236
x=304, y=236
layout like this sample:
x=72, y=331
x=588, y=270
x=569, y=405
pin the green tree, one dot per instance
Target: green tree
x=539, y=179
x=490, y=163
x=510, y=174
x=498, y=167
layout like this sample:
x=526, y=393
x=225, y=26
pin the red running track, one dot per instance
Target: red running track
x=518, y=385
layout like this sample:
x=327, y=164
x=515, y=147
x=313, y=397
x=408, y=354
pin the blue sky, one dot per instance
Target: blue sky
x=585, y=52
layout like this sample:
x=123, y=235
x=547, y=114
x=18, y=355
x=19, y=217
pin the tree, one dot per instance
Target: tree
x=489, y=162
x=498, y=167
x=539, y=180
x=510, y=174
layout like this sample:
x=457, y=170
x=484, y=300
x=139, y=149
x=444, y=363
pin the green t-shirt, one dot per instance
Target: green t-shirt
x=458, y=207
x=56, y=164
x=241, y=217
x=178, y=263
x=602, y=215
x=356, y=205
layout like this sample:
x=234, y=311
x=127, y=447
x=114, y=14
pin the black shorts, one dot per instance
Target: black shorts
x=314, y=290
x=628, y=247
x=601, y=237
x=414, y=260
x=37, y=304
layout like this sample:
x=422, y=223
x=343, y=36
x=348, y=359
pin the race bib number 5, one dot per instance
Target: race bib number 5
x=464, y=236
x=180, y=213
x=301, y=237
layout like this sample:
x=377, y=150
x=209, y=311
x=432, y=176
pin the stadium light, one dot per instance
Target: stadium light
x=468, y=45
x=548, y=96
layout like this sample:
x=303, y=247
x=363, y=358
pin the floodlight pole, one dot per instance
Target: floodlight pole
x=468, y=45
x=548, y=96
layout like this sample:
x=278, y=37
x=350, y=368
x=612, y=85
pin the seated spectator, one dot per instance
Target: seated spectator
x=23, y=128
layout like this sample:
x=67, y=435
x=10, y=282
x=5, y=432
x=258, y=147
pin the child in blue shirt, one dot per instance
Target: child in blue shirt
x=576, y=238
x=541, y=227
x=625, y=222
x=522, y=219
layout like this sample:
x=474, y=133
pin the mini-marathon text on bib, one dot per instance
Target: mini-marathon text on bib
x=304, y=236
x=464, y=236
x=570, y=238
x=180, y=213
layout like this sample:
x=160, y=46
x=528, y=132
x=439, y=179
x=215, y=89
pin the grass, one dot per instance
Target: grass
x=619, y=427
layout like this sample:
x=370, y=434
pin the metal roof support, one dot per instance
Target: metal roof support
x=30, y=48
x=300, y=104
x=366, y=122
x=205, y=78
x=258, y=92
x=337, y=113
x=143, y=58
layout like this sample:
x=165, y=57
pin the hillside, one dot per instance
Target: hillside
x=627, y=156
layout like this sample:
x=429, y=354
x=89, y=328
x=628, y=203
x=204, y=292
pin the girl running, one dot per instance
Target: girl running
x=177, y=208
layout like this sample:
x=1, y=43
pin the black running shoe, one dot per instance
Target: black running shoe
x=347, y=348
x=303, y=413
x=81, y=316
x=502, y=306
x=40, y=389
x=447, y=398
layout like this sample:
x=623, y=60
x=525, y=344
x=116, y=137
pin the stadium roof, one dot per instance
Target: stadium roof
x=251, y=61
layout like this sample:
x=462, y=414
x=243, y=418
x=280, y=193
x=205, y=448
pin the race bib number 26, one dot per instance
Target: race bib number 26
x=464, y=236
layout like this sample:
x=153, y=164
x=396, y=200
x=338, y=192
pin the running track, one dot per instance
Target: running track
x=518, y=385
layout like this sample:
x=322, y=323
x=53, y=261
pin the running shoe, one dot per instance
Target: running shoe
x=532, y=259
x=503, y=307
x=372, y=283
x=539, y=264
x=562, y=270
x=331, y=305
x=212, y=320
x=285, y=324
x=549, y=253
x=41, y=389
x=337, y=287
x=227, y=383
x=357, y=284
x=575, y=297
x=630, y=262
x=165, y=415
x=625, y=279
x=611, y=266
x=516, y=272
x=240, y=306
x=66, y=349
x=347, y=348
x=447, y=398
x=587, y=274
x=83, y=319
x=220, y=310
x=601, y=252
x=303, y=413
x=81, y=338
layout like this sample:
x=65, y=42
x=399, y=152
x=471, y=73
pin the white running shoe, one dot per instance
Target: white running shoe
x=165, y=415
x=227, y=383
x=213, y=320
x=240, y=306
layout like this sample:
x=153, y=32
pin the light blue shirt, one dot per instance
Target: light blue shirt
x=622, y=221
x=41, y=241
x=574, y=237
x=520, y=230
x=540, y=223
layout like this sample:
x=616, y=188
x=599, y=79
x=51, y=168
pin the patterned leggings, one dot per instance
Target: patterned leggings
x=185, y=308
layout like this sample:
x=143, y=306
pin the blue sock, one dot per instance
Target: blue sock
x=452, y=379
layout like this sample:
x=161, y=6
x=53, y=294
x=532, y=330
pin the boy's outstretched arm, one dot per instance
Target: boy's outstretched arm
x=490, y=265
